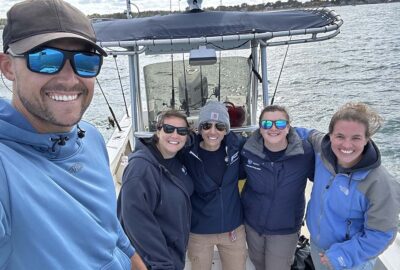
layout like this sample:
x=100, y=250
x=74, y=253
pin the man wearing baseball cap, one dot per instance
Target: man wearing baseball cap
x=57, y=200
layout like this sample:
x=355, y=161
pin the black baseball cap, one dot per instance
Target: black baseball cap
x=33, y=23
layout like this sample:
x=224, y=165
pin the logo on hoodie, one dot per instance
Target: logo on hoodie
x=234, y=157
x=345, y=190
x=253, y=165
x=341, y=261
x=75, y=168
x=184, y=171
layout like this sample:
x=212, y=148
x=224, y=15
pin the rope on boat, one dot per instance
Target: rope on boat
x=120, y=83
x=108, y=104
x=253, y=68
x=280, y=73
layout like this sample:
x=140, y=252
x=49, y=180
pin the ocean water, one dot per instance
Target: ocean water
x=361, y=64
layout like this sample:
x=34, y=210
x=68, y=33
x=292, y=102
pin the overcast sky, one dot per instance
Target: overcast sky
x=112, y=6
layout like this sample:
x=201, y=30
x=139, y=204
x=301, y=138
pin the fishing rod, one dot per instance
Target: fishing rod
x=219, y=65
x=280, y=73
x=172, y=102
x=120, y=83
x=108, y=104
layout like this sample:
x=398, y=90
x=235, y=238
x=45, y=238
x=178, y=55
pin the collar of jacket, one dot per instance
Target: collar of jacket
x=14, y=127
x=255, y=144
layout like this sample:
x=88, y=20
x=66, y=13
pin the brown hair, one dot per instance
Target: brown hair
x=274, y=108
x=358, y=112
x=168, y=114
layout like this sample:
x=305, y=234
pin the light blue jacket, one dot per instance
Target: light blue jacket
x=57, y=202
x=352, y=215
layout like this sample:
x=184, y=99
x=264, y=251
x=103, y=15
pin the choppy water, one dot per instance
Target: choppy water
x=360, y=64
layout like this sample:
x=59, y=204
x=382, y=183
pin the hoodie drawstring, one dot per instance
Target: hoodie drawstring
x=60, y=141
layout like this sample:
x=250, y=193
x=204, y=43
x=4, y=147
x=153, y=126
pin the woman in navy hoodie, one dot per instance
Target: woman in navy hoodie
x=154, y=202
x=213, y=162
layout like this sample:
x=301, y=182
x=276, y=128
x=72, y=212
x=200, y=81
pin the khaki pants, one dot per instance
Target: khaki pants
x=233, y=252
x=271, y=252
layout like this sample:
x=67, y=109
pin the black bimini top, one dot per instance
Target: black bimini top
x=216, y=23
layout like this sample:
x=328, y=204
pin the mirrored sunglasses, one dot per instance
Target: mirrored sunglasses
x=183, y=131
x=218, y=126
x=279, y=124
x=46, y=60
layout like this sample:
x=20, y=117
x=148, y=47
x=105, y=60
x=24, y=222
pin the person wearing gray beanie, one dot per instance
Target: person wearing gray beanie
x=214, y=111
x=213, y=161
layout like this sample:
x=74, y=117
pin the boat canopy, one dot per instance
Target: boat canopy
x=209, y=26
x=190, y=83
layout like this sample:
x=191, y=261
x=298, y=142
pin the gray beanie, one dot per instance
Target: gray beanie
x=214, y=111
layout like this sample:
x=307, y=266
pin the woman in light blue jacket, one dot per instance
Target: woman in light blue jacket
x=353, y=212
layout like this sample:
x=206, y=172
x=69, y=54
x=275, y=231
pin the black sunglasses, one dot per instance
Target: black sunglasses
x=218, y=126
x=183, y=131
x=47, y=60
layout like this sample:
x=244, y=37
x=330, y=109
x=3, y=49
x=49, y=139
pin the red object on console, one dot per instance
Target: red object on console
x=237, y=115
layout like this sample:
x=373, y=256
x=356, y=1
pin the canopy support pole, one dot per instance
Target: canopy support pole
x=254, y=88
x=264, y=74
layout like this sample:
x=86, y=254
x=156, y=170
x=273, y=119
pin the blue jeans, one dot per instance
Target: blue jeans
x=369, y=265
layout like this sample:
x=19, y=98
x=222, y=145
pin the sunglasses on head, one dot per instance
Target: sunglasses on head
x=46, y=60
x=279, y=124
x=218, y=126
x=183, y=131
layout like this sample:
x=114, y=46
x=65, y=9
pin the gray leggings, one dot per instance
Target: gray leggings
x=271, y=252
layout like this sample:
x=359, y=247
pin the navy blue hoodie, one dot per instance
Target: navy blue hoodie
x=154, y=208
x=216, y=208
x=273, y=196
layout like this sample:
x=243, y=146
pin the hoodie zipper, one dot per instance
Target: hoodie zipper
x=219, y=187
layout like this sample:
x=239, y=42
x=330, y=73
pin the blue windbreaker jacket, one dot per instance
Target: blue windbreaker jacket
x=273, y=197
x=352, y=215
x=154, y=209
x=216, y=209
x=57, y=202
